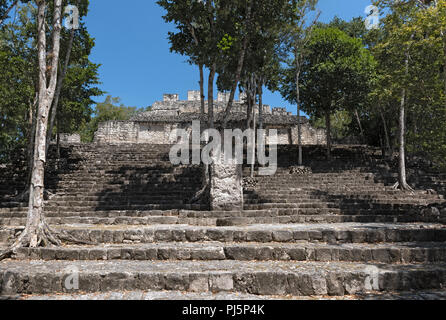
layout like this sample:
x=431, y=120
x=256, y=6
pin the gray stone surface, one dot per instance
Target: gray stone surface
x=172, y=295
x=262, y=278
x=156, y=126
x=226, y=192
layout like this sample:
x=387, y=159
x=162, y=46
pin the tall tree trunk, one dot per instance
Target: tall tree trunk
x=249, y=102
x=240, y=64
x=328, y=128
x=254, y=86
x=444, y=61
x=211, y=96
x=37, y=231
x=31, y=139
x=5, y=16
x=402, y=179
x=386, y=132
x=202, y=101
x=361, y=130
x=261, y=103
x=200, y=67
x=59, y=89
x=299, y=122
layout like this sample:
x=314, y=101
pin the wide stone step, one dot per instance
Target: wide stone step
x=228, y=296
x=159, y=296
x=117, y=207
x=334, y=210
x=395, y=253
x=329, y=233
x=261, y=278
x=95, y=218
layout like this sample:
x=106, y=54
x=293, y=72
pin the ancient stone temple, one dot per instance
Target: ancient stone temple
x=156, y=126
x=336, y=228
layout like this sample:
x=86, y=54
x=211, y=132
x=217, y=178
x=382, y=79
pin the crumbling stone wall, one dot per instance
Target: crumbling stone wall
x=310, y=135
x=154, y=133
x=117, y=132
x=156, y=126
x=70, y=138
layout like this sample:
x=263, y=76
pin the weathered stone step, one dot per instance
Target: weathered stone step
x=395, y=253
x=153, y=296
x=113, y=202
x=262, y=278
x=350, y=211
x=221, y=222
x=329, y=233
x=293, y=190
x=191, y=296
x=379, y=204
x=117, y=207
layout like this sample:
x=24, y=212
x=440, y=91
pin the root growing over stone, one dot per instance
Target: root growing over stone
x=42, y=236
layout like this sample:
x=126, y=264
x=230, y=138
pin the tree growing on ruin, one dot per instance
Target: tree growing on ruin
x=192, y=36
x=335, y=67
x=295, y=38
x=37, y=232
x=412, y=58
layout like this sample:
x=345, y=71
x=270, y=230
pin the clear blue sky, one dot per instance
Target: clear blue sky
x=137, y=65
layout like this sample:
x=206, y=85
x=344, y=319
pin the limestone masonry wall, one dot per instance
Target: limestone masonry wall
x=156, y=126
x=117, y=132
x=70, y=138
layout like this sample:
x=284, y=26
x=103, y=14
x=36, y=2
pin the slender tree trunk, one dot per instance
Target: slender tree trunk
x=261, y=104
x=59, y=89
x=402, y=179
x=5, y=16
x=202, y=101
x=240, y=64
x=211, y=96
x=328, y=127
x=386, y=132
x=249, y=102
x=361, y=130
x=402, y=154
x=58, y=137
x=200, y=66
x=254, y=86
x=32, y=138
x=444, y=61
x=37, y=231
x=299, y=122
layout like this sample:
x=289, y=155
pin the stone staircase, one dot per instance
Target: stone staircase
x=340, y=230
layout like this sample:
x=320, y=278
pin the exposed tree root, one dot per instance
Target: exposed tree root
x=22, y=196
x=198, y=197
x=44, y=236
x=204, y=191
x=404, y=187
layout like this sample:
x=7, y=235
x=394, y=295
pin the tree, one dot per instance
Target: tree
x=110, y=109
x=5, y=8
x=76, y=80
x=335, y=68
x=17, y=85
x=412, y=42
x=37, y=232
x=297, y=35
x=192, y=38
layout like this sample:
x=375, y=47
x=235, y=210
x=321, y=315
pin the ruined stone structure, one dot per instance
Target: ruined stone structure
x=337, y=229
x=156, y=126
x=70, y=138
x=332, y=228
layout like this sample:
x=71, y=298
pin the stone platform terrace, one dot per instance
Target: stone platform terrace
x=339, y=232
